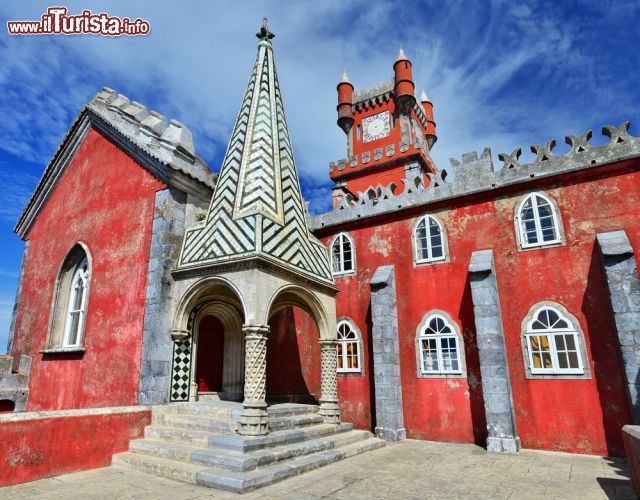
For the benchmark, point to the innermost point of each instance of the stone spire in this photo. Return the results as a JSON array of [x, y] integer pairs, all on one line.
[[257, 209]]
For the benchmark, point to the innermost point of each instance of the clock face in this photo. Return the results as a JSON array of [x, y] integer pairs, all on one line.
[[376, 126]]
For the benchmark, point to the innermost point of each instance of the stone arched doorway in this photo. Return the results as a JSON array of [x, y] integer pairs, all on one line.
[[208, 350]]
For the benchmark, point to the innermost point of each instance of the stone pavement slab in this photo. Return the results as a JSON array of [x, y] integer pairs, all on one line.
[[406, 470]]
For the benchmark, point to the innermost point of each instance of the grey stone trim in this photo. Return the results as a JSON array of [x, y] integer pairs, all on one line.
[[478, 175], [461, 352], [386, 355], [496, 382], [14, 386], [83, 412], [166, 239], [624, 293], [164, 149], [445, 243], [16, 305], [581, 345]]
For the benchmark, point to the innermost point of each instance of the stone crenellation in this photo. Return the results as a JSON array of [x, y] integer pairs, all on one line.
[[374, 91], [165, 139], [477, 174]]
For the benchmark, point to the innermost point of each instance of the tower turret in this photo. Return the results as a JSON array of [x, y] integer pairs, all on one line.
[[404, 86], [345, 101], [430, 130]]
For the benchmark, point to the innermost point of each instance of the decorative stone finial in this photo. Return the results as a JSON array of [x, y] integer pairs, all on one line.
[[424, 97], [264, 33], [401, 55]]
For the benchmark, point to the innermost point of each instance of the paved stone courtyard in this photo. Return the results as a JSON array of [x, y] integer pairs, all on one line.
[[411, 469]]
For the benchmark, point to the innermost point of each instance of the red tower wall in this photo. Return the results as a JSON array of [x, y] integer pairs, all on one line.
[[567, 415], [106, 200]]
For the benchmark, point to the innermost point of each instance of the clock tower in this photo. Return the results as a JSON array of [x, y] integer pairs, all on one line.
[[389, 135]]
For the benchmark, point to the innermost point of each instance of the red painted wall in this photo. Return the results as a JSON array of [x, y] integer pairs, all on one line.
[[43, 447], [105, 200], [293, 354], [568, 415]]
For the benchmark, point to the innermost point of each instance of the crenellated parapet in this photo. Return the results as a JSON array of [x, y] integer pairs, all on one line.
[[476, 173]]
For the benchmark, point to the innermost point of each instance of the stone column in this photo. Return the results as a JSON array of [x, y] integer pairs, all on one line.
[[624, 293], [386, 356], [253, 419], [496, 382], [329, 408]]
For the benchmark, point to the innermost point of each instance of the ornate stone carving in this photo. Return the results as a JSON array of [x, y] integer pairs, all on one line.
[[391, 150], [253, 419], [329, 384], [366, 157], [377, 153]]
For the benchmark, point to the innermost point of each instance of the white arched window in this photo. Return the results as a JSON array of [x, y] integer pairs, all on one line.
[[438, 345], [342, 255], [429, 240], [348, 346], [76, 306], [554, 345], [538, 221]]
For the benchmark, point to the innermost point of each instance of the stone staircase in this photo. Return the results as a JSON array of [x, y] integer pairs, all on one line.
[[197, 443]]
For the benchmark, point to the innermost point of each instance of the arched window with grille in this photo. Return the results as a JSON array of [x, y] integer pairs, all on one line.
[[439, 346], [554, 345], [538, 221], [70, 302], [342, 255], [348, 346], [429, 240]]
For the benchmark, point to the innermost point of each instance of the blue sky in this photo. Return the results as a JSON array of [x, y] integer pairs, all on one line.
[[500, 74]]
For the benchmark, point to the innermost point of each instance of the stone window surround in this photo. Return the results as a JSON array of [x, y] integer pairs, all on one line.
[[461, 354], [581, 345], [343, 274], [354, 327], [557, 218], [59, 304], [417, 262]]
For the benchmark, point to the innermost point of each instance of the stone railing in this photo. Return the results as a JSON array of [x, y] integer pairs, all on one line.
[[477, 173]]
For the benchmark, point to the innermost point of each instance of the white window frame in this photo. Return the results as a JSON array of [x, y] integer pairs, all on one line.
[[81, 274], [343, 342], [522, 233], [453, 335], [416, 243], [551, 334], [340, 239]]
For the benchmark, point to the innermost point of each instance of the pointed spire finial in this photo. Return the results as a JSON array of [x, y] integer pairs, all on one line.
[[401, 55], [264, 32], [345, 77], [424, 97]]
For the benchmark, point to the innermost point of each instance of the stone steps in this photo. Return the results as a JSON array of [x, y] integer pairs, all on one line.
[[197, 443]]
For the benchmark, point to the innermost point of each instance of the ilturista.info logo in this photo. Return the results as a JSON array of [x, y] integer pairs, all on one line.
[[57, 21]]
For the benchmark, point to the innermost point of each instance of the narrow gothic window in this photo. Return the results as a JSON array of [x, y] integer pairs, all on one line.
[[438, 344], [70, 301], [553, 344], [538, 224], [76, 310], [348, 346], [358, 132], [342, 255], [429, 240]]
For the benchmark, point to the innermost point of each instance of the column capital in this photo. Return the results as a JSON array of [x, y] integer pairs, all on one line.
[[327, 343], [255, 330]]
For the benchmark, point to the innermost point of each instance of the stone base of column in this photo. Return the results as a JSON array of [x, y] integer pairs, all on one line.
[[330, 411], [503, 445], [253, 419], [390, 434]]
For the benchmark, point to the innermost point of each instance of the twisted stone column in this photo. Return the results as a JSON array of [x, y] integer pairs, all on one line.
[[253, 419], [329, 384]]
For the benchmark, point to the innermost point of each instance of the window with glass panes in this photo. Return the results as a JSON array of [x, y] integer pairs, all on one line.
[[342, 255], [553, 344], [538, 224], [348, 346], [439, 350], [429, 240], [76, 308]]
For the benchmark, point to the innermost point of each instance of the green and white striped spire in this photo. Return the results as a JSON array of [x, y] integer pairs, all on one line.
[[257, 207]]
